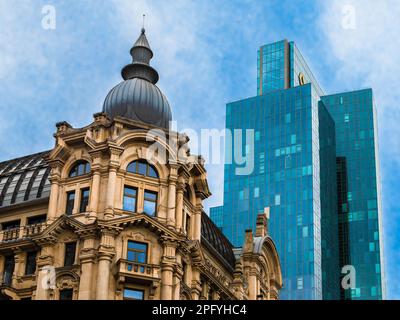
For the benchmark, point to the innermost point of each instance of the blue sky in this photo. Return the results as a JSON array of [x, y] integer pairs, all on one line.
[[205, 52]]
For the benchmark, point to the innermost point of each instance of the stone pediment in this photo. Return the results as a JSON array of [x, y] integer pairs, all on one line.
[[143, 220], [63, 223]]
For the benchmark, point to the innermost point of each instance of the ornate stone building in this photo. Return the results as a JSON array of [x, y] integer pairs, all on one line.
[[114, 211]]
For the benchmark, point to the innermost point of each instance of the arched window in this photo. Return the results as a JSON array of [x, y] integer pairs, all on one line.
[[79, 169], [142, 167]]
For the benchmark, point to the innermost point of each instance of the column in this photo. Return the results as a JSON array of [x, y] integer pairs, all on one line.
[[252, 281], [87, 260], [95, 193], [178, 278], [179, 205], [168, 263], [96, 180], [103, 276], [112, 178], [196, 283], [54, 193], [105, 255], [115, 151], [171, 202], [197, 220]]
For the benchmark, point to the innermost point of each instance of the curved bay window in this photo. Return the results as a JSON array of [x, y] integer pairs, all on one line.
[[143, 168], [79, 169]]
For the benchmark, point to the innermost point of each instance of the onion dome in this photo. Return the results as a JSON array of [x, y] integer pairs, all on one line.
[[137, 97]]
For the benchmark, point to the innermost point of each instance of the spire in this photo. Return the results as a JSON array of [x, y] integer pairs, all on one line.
[[140, 67]]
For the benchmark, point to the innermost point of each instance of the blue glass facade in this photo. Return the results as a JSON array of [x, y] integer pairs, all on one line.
[[316, 167], [286, 178], [359, 191], [279, 66], [217, 216]]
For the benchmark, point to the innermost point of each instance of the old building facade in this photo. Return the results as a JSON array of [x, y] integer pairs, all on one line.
[[115, 211]]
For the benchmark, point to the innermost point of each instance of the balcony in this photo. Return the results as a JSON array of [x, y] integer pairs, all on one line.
[[132, 269], [22, 232]]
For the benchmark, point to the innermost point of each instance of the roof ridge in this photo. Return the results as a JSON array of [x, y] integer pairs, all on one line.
[[26, 156]]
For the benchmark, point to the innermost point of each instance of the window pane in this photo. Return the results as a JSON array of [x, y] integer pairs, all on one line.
[[149, 207], [152, 172], [130, 191], [129, 204], [133, 294], [9, 265], [131, 256], [37, 219], [70, 202], [150, 195], [84, 200], [137, 252], [150, 203], [141, 257], [66, 294], [70, 249], [137, 245], [132, 167], [79, 169], [142, 168], [10, 225], [30, 263]]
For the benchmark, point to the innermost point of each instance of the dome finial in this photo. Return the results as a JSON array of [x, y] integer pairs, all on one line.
[[141, 55], [143, 29]]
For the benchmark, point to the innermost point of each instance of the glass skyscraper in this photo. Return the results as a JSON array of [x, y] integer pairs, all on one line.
[[360, 209], [301, 166]]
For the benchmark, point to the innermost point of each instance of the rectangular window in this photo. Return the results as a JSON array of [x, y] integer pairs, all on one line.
[[256, 192], [66, 294], [371, 246], [130, 294], [37, 219], [9, 265], [70, 203], [84, 200], [300, 283], [30, 267], [278, 200], [150, 203], [130, 196], [70, 251], [137, 252], [10, 225], [188, 224], [305, 232]]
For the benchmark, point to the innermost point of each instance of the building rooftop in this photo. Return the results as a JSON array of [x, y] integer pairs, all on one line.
[[24, 179]]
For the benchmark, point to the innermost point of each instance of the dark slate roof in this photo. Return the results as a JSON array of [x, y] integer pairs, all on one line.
[[24, 179], [217, 240]]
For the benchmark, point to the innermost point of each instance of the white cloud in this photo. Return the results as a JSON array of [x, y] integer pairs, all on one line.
[[367, 56]]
